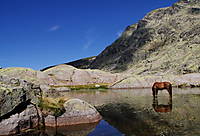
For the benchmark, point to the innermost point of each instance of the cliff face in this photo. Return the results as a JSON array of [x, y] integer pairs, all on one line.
[[165, 40]]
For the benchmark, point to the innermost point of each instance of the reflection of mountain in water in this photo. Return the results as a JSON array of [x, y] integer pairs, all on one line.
[[105, 129], [130, 112], [127, 119]]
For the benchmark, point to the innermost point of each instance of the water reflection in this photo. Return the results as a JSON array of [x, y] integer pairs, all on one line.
[[128, 120], [135, 113], [105, 129], [162, 107], [74, 130]]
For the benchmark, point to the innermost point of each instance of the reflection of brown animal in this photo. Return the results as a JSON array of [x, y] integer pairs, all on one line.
[[160, 86], [161, 107]]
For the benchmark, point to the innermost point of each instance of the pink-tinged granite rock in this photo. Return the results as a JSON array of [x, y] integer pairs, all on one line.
[[77, 112], [68, 75], [16, 123]]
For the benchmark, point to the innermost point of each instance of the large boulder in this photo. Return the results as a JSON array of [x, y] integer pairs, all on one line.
[[18, 122], [13, 91], [62, 75], [65, 113], [76, 112]]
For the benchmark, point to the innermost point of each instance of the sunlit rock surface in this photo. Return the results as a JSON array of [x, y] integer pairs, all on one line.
[[138, 81], [166, 40], [77, 112], [14, 91], [68, 75]]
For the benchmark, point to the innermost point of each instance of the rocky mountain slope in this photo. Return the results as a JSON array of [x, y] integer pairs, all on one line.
[[166, 40]]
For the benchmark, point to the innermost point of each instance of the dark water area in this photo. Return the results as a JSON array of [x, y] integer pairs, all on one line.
[[134, 112]]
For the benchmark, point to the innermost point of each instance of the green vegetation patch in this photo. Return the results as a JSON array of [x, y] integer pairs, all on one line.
[[88, 86], [52, 106], [183, 85]]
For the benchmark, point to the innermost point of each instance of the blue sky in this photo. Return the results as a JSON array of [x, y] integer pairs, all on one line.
[[40, 33]]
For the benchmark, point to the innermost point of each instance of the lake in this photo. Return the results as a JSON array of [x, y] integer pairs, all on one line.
[[134, 112]]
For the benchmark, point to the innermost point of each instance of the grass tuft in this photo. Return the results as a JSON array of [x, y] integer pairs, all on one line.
[[52, 106]]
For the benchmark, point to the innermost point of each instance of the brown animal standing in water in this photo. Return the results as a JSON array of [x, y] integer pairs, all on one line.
[[160, 86]]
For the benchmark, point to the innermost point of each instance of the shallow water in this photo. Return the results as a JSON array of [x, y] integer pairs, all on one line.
[[134, 112]]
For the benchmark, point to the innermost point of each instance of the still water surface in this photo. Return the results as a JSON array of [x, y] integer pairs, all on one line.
[[134, 112]]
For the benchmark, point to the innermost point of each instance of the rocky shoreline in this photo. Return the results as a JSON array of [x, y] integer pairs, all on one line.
[[55, 111], [24, 105], [77, 112]]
